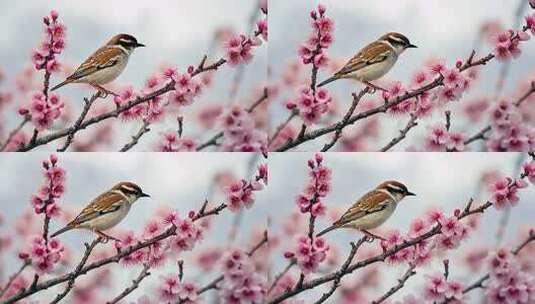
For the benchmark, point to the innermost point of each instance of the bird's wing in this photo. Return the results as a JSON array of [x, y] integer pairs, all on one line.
[[104, 57], [371, 202], [374, 52], [104, 203]]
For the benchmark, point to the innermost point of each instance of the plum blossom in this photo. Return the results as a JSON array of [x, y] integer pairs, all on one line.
[[45, 200], [43, 110], [240, 133], [126, 95], [44, 58], [186, 89], [504, 191], [240, 194], [317, 187], [188, 233], [313, 50], [440, 139], [43, 254], [508, 283], [172, 142], [508, 132], [239, 48], [309, 253], [437, 289], [529, 171], [241, 283], [172, 289], [506, 44], [311, 104], [262, 29]]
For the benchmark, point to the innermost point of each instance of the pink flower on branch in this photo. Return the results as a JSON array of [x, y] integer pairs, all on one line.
[[240, 133], [172, 142], [240, 194], [45, 200], [309, 253], [173, 290], [505, 191], [43, 254]]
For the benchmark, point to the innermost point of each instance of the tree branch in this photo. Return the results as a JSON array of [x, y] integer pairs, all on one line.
[[135, 139], [401, 282], [135, 284], [402, 133]]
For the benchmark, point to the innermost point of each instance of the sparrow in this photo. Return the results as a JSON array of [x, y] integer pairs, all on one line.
[[372, 209], [107, 210], [104, 65], [374, 60]]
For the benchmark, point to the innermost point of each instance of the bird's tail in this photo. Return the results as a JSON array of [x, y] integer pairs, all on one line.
[[326, 230], [64, 229], [326, 81], [60, 85]]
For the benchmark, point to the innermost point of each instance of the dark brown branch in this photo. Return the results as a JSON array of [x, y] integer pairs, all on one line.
[[336, 282], [402, 134], [115, 113], [135, 284], [85, 110], [73, 275], [374, 259], [380, 109], [401, 282], [113, 259], [347, 116]]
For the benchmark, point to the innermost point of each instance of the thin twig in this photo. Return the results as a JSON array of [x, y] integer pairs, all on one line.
[[401, 282], [347, 116], [402, 134], [27, 118], [135, 284], [85, 110], [135, 139], [12, 278]]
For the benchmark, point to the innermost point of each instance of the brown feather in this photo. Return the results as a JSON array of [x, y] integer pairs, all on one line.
[[94, 209], [369, 203], [100, 59], [374, 52]]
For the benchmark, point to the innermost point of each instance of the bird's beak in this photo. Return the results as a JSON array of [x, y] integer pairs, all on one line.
[[144, 195], [140, 45], [410, 194], [411, 46]]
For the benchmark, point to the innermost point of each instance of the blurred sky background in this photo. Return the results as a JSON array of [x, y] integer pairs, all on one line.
[[440, 29], [175, 32], [179, 181], [446, 181]]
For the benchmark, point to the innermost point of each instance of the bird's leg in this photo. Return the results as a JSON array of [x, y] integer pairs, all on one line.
[[366, 232], [105, 236], [374, 87], [103, 90]]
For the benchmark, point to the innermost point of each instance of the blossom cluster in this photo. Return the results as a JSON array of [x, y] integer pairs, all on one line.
[[318, 186], [438, 289], [240, 133], [241, 283], [507, 42], [451, 234], [45, 200], [43, 254], [187, 234], [240, 193], [504, 191], [44, 110], [440, 139], [311, 104], [309, 253], [172, 142], [508, 283], [174, 290], [509, 132], [313, 50], [239, 48], [44, 58]]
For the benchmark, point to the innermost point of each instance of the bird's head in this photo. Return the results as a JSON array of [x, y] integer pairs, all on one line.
[[398, 41], [130, 190], [396, 189], [128, 42]]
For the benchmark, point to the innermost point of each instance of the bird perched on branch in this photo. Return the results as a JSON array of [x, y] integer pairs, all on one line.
[[107, 210], [374, 60], [104, 65], [372, 209]]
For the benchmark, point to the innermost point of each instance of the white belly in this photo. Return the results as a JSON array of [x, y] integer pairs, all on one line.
[[109, 220], [373, 220], [374, 71], [107, 75]]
